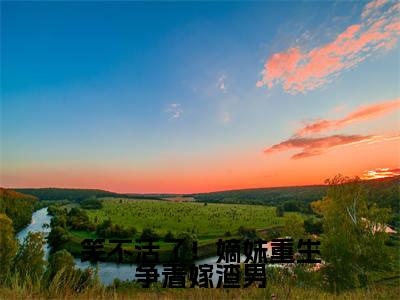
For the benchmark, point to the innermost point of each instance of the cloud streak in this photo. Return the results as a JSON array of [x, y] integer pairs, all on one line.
[[361, 114], [380, 173], [301, 71], [312, 146]]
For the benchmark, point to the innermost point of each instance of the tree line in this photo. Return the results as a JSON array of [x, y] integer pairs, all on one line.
[[17, 206]]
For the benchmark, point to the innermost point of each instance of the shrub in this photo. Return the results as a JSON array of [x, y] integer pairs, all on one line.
[[247, 233], [169, 236], [108, 229], [91, 203], [149, 233], [57, 236]]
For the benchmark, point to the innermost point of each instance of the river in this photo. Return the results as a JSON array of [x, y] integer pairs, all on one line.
[[108, 271]]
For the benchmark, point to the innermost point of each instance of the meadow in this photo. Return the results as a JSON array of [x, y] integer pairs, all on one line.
[[205, 220]]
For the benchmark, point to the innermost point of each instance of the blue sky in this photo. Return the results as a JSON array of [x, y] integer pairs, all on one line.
[[133, 87]]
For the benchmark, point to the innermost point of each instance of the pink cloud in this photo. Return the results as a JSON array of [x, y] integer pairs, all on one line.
[[299, 71], [372, 6], [311, 146], [360, 114]]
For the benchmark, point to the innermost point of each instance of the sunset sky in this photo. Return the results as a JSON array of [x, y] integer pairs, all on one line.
[[184, 97]]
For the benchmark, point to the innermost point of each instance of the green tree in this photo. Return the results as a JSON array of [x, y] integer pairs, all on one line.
[[60, 261], [294, 227], [8, 246], [29, 262], [247, 232], [313, 225], [18, 207], [149, 233], [169, 236], [79, 220], [353, 243], [63, 277], [59, 220], [57, 236], [185, 251], [280, 211], [91, 203]]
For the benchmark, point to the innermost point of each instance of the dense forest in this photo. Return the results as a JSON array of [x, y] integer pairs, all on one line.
[[17, 206], [67, 194], [296, 198], [76, 195], [384, 192], [277, 195], [265, 196]]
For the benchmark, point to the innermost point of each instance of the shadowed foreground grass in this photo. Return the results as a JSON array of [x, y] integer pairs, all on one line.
[[271, 292], [66, 284]]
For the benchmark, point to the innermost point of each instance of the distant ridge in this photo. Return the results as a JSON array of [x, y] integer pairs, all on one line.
[[377, 181], [379, 188], [77, 194], [74, 194]]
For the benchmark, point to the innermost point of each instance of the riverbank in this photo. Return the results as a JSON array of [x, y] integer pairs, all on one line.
[[107, 271]]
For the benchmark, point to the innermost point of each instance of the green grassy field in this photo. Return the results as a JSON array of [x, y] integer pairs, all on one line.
[[206, 221]]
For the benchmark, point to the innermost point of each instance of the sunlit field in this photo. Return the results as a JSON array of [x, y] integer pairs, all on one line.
[[206, 221]]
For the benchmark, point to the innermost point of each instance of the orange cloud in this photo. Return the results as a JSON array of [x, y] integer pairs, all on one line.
[[380, 173], [312, 146], [360, 114], [299, 71]]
